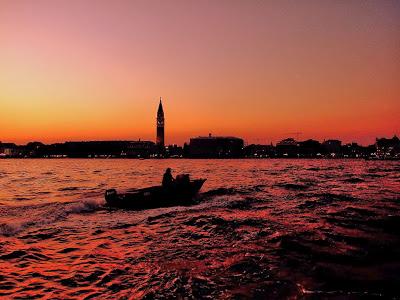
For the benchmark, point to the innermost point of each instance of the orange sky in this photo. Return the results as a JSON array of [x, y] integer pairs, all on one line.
[[261, 70]]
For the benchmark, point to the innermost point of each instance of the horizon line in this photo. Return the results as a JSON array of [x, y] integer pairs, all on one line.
[[200, 136]]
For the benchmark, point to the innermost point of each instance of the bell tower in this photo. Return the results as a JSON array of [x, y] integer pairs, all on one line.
[[160, 126]]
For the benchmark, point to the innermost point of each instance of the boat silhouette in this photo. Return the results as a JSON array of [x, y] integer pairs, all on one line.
[[155, 196]]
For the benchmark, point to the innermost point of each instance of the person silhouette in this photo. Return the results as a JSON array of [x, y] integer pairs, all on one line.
[[168, 179]]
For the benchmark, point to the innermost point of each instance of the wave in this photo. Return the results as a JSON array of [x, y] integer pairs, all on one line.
[[242, 204], [323, 199], [244, 190], [329, 197], [48, 173], [30, 196], [70, 188], [373, 175], [84, 207], [41, 215], [353, 180], [218, 192], [384, 169], [7, 229], [221, 225], [294, 186], [313, 169], [21, 198], [330, 168]]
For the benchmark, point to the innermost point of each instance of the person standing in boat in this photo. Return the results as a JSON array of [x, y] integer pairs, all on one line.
[[168, 179]]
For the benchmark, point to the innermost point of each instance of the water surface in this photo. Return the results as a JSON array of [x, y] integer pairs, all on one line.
[[261, 229]]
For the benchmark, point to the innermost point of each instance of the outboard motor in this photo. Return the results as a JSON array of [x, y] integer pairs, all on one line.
[[111, 195], [182, 179]]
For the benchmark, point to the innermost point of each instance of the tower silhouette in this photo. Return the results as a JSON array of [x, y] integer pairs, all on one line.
[[160, 126]]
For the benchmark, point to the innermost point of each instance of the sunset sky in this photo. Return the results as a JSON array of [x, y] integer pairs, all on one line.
[[260, 70]]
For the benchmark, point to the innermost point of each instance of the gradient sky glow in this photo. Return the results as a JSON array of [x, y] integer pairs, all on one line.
[[94, 70]]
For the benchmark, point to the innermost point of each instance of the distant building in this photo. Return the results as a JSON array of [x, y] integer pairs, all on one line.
[[174, 151], [105, 149], [354, 150], [288, 142], [310, 148], [332, 147], [89, 149], [160, 142], [287, 148], [140, 149], [35, 149], [9, 150], [259, 151], [216, 147], [388, 148]]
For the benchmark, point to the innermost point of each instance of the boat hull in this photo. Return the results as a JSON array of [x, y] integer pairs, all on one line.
[[157, 196]]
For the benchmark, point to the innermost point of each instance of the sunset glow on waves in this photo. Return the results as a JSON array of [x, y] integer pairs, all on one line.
[[287, 228]]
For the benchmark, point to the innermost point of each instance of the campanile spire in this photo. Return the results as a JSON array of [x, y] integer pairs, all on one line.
[[160, 125]]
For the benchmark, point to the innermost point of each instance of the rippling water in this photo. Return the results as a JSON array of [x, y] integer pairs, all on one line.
[[261, 229]]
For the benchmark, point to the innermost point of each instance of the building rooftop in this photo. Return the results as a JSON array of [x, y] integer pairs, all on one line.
[[216, 137]]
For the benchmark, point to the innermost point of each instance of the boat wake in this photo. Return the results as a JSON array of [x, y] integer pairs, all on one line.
[[44, 214]]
